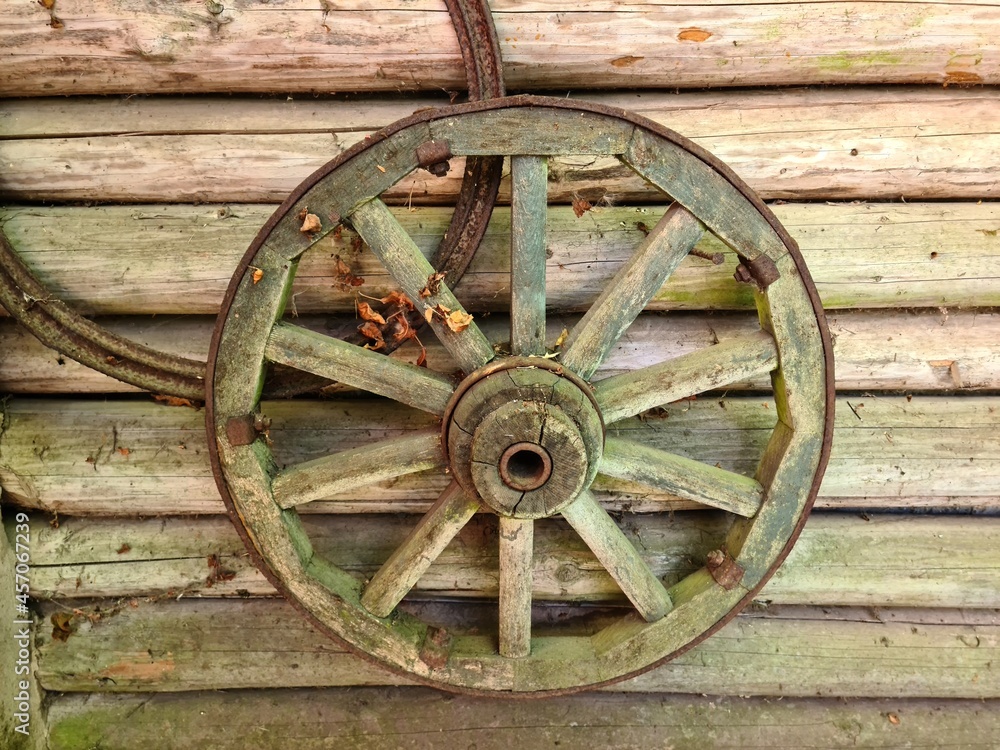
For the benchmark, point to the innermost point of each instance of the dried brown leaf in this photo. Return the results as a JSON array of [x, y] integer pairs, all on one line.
[[371, 331], [126, 547], [367, 313], [310, 224], [562, 338], [429, 314], [345, 280], [581, 206], [257, 275], [458, 320], [176, 401], [433, 285], [62, 626], [398, 299], [422, 359], [401, 329]]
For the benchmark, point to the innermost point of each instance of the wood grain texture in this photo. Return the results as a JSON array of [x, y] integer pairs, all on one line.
[[178, 259], [345, 471], [347, 363], [516, 568], [840, 144], [528, 246], [932, 350], [190, 645], [116, 47], [422, 546], [374, 719], [619, 557], [840, 560], [627, 294], [121, 457]]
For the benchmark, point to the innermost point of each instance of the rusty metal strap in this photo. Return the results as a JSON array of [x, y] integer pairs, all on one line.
[[480, 46], [60, 328]]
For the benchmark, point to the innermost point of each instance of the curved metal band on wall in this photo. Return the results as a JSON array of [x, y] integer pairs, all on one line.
[[57, 326]]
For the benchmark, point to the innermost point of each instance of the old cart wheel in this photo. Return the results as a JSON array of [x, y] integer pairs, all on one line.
[[523, 436]]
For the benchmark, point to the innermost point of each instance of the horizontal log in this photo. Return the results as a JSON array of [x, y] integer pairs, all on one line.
[[380, 719], [875, 350], [841, 144], [226, 645], [840, 560], [141, 458], [126, 47], [115, 260]]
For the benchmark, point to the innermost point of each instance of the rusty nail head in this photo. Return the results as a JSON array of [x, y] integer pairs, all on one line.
[[436, 647], [244, 430], [764, 271], [724, 569], [433, 156], [742, 274], [760, 271]]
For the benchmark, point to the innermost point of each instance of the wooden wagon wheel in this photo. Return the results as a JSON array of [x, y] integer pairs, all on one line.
[[523, 436]]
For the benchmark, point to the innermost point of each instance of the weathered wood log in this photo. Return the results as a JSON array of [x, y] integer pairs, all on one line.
[[845, 144], [838, 561], [875, 350], [379, 719], [212, 645], [248, 46], [143, 458], [178, 259]]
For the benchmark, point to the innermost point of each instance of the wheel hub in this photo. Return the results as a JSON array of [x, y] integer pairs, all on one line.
[[523, 436]]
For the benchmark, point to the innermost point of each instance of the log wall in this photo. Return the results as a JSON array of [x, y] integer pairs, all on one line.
[[142, 147]]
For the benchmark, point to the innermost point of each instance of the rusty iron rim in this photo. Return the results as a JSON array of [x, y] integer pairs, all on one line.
[[60, 328], [683, 143]]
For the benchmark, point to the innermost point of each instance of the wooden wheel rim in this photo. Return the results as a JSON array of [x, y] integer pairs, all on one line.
[[793, 339]]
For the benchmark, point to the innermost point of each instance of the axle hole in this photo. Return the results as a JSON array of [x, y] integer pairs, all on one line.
[[525, 466]]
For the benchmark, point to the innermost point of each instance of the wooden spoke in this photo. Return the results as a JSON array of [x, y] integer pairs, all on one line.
[[414, 274], [616, 553], [412, 558], [630, 290], [528, 177], [516, 547], [693, 480], [335, 359], [728, 362], [357, 467]]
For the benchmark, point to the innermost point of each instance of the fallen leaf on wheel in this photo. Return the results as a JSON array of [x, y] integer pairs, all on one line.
[[257, 275], [581, 206], [433, 285], [366, 313], [458, 321], [371, 331], [400, 328], [310, 224], [176, 401], [345, 280], [397, 298]]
